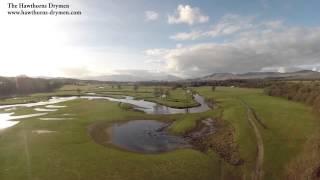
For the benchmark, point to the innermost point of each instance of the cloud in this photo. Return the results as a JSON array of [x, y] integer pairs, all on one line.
[[187, 36], [179, 45], [227, 25], [139, 75], [135, 72], [75, 71], [230, 24], [151, 15], [155, 52], [261, 46], [187, 14]]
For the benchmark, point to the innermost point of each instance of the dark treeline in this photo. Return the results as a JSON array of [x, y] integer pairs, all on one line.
[[251, 83], [246, 83], [305, 92], [26, 85]]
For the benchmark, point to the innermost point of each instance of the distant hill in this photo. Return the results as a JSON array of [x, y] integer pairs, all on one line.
[[135, 78], [304, 74], [158, 77]]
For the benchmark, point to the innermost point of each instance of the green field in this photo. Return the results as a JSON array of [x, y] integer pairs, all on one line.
[[69, 152]]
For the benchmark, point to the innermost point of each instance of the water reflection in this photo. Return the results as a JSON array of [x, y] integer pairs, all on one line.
[[45, 110], [6, 119], [154, 108], [145, 106], [55, 106], [145, 136], [53, 100]]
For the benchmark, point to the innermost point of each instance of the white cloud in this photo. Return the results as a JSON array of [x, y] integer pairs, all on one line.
[[282, 70], [179, 45], [256, 47], [138, 75], [151, 15], [228, 25], [155, 52], [187, 14], [75, 71], [187, 36], [277, 24]]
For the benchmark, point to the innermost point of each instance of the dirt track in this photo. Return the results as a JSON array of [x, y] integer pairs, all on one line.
[[258, 171]]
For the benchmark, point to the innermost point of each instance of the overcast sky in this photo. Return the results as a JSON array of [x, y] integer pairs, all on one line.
[[184, 38]]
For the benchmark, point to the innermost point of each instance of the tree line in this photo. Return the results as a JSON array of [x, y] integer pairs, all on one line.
[[248, 83], [305, 92], [26, 85]]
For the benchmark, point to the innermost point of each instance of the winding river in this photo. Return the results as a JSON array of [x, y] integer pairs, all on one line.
[[154, 108], [145, 136]]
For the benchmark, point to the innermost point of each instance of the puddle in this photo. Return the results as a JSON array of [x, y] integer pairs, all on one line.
[[151, 136], [145, 136], [11, 109], [128, 97], [55, 119], [6, 119], [43, 131], [53, 100], [145, 106], [45, 110]]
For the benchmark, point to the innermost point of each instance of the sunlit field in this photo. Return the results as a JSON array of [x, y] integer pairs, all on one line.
[[64, 148]]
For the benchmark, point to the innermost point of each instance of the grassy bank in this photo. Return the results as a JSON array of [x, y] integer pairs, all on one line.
[[289, 125]]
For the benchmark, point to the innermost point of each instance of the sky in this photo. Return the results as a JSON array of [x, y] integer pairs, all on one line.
[[182, 38]]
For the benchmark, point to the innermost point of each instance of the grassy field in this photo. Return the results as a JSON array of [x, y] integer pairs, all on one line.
[[177, 98], [69, 152], [289, 125]]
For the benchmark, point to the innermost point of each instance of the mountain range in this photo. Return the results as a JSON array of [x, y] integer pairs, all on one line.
[[303, 74]]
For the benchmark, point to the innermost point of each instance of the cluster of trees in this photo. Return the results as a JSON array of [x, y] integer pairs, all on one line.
[[306, 92], [26, 85]]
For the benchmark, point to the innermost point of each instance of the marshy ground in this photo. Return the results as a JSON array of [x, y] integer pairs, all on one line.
[[58, 145]]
